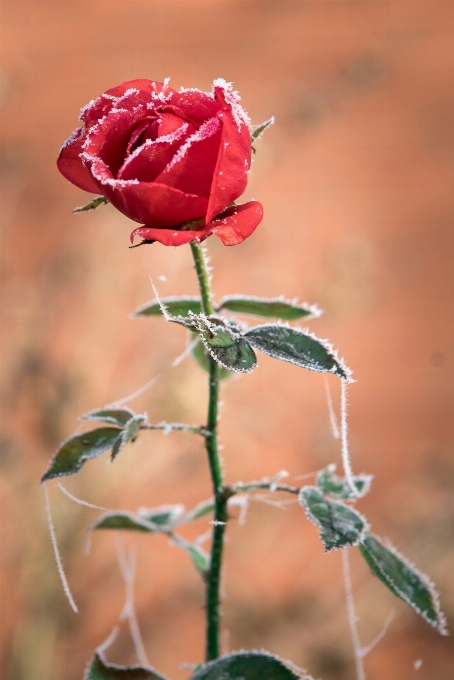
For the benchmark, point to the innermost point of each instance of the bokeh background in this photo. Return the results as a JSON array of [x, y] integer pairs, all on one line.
[[356, 178]]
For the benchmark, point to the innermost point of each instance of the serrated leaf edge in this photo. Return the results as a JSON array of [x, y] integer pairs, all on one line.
[[318, 524], [441, 618], [259, 652], [229, 368], [363, 476], [323, 341]]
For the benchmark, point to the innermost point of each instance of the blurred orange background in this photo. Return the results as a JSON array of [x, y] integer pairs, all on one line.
[[356, 179]]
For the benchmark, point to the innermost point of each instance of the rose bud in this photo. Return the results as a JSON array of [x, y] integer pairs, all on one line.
[[173, 161]]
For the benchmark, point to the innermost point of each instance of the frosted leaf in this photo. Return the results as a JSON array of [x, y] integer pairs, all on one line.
[[224, 345], [339, 488], [249, 666], [280, 308], [157, 520], [128, 434], [340, 526], [297, 347], [73, 453], [404, 580]]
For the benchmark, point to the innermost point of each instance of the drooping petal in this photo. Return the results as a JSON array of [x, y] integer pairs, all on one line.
[[170, 237], [70, 165], [235, 224], [191, 168]]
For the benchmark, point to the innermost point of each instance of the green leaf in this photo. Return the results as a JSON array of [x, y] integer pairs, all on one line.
[[247, 666], [276, 308], [113, 416], [95, 203], [166, 516], [199, 558], [122, 520], [201, 510], [339, 525], [225, 345], [290, 344], [147, 521], [99, 669], [260, 129], [199, 353], [73, 453], [175, 307], [404, 580], [128, 434], [339, 488]]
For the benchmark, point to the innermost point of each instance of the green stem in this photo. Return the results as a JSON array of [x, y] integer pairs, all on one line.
[[203, 277], [219, 491]]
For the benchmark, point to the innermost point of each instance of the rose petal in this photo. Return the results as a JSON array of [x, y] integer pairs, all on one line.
[[196, 105], [100, 106], [232, 227], [71, 166], [150, 159], [153, 204], [191, 169], [170, 237], [235, 224], [233, 164], [108, 139]]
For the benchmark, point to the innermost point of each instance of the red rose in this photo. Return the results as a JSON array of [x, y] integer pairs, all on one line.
[[173, 161]]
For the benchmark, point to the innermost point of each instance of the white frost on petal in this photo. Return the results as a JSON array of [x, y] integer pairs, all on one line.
[[124, 97], [164, 139], [74, 136], [208, 129], [233, 98], [195, 89], [98, 165]]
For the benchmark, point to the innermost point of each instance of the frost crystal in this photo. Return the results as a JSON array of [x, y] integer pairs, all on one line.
[[233, 98], [208, 129]]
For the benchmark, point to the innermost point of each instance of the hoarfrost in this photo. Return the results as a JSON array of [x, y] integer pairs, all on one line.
[[233, 98], [206, 130]]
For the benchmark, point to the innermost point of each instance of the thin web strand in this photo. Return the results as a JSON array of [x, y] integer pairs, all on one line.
[[127, 568], [344, 440], [332, 415], [368, 648], [351, 615], [53, 538], [79, 501]]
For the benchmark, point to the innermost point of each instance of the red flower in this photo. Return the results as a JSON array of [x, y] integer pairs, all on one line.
[[173, 161]]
